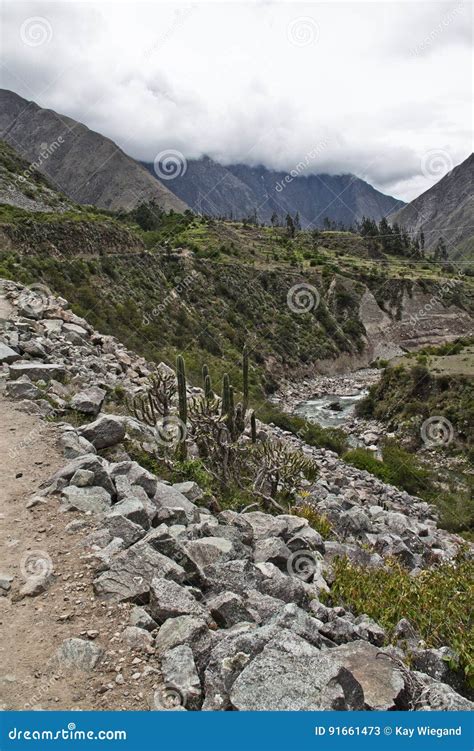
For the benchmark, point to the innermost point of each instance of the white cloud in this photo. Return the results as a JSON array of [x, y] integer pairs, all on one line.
[[371, 87]]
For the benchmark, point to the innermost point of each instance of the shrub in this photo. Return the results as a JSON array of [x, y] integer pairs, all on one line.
[[317, 521], [437, 602]]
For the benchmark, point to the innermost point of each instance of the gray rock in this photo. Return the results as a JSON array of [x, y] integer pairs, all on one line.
[[5, 583], [136, 475], [173, 507], [382, 682], [191, 490], [205, 552], [179, 673], [94, 499], [36, 371], [89, 401], [272, 550], [370, 631], [142, 619], [134, 510], [22, 390], [132, 571], [235, 576], [228, 608], [73, 446], [240, 522], [295, 619], [290, 674], [79, 654], [7, 354], [264, 525], [186, 629], [104, 432], [306, 539], [119, 526], [170, 600], [137, 639], [439, 697], [88, 462], [82, 478], [263, 607], [277, 584], [436, 663]]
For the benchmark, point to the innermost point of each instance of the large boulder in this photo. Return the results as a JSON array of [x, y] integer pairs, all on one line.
[[228, 608], [173, 507], [186, 629], [89, 499], [382, 681], [7, 354], [88, 401], [36, 371], [104, 432], [291, 674], [180, 675], [170, 600]]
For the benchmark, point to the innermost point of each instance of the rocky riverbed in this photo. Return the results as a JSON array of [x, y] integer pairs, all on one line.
[[219, 610]]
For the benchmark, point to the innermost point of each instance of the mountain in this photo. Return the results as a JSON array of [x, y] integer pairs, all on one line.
[[238, 190], [445, 210], [84, 165]]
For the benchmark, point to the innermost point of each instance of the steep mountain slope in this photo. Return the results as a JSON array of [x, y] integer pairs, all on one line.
[[238, 190], [81, 163], [445, 210]]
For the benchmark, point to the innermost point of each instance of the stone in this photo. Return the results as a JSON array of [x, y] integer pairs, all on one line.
[[263, 607], [104, 432], [22, 390], [436, 663], [206, 552], [134, 510], [173, 507], [277, 584], [272, 550], [306, 539], [228, 608], [82, 478], [240, 522], [264, 525], [79, 654], [186, 629], [179, 674], [36, 585], [290, 674], [190, 489], [382, 682], [142, 619], [235, 576], [436, 696], [132, 571], [370, 631], [89, 401], [295, 619], [91, 499], [5, 583], [73, 446], [88, 462], [125, 529], [136, 475], [169, 600], [36, 371], [137, 639], [7, 354]]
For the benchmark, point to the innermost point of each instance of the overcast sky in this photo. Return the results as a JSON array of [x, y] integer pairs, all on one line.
[[382, 90]]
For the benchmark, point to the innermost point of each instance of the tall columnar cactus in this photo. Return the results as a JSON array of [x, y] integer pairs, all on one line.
[[208, 392], [182, 399], [245, 378], [205, 373], [253, 427], [226, 403]]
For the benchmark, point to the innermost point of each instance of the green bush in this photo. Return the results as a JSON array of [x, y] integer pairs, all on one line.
[[437, 602], [398, 467]]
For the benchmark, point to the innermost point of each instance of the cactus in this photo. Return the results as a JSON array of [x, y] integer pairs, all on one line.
[[253, 427], [182, 399], [205, 373], [208, 392], [225, 407], [245, 379]]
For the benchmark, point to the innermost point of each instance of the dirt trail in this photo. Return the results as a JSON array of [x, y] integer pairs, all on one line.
[[32, 628]]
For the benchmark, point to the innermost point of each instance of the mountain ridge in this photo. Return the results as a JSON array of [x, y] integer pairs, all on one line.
[[91, 170]]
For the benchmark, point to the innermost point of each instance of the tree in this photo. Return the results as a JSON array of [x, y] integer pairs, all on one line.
[[274, 219], [290, 225], [297, 222]]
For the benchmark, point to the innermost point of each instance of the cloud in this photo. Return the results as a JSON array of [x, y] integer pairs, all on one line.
[[367, 88]]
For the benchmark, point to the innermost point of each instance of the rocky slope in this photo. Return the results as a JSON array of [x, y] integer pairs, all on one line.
[[82, 164], [225, 608], [237, 190], [445, 211]]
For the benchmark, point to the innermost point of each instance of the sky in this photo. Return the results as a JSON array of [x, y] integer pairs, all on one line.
[[379, 89]]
